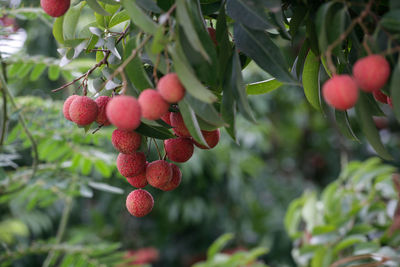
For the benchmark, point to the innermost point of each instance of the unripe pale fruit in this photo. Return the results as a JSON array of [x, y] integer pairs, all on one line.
[[379, 96], [139, 203], [124, 112], [340, 92], [170, 88], [213, 35], [175, 180], [211, 137], [55, 8], [138, 181], [371, 73], [130, 165], [102, 102], [153, 106], [167, 118], [158, 173], [66, 106], [83, 110], [126, 142], [179, 149], [179, 125]]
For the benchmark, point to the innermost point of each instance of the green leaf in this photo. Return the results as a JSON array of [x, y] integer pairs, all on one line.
[[257, 45], [118, 18], [218, 245], [342, 121], [391, 21], [58, 29], [24, 70], [106, 187], [228, 107], [263, 87], [310, 80], [37, 71], [301, 57], [102, 168], [322, 257], [224, 45], [323, 22], [97, 7], [299, 14], [205, 111], [349, 241], [139, 17], [71, 19], [395, 91], [54, 72], [154, 131], [189, 117], [149, 5], [364, 115]]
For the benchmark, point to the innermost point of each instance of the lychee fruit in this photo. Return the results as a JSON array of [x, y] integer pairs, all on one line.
[[130, 165], [379, 96], [167, 118], [213, 35], [175, 180], [211, 137], [66, 106], [170, 88], [178, 125], [83, 110], [340, 92], [138, 181], [102, 102], [158, 173], [124, 112], [139, 202], [55, 8], [126, 142], [371, 73], [179, 149], [153, 106]]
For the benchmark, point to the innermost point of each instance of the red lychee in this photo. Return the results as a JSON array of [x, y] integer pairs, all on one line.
[[371, 73], [179, 125], [126, 142], [55, 8], [213, 35], [175, 180], [340, 92], [158, 173], [153, 106], [138, 181], [170, 88], [66, 106], [124, 112], [379, 96], [102, 102], [83, 110], [179, 149], [211, 137], [139, 203], [130, 165], [167, 118]]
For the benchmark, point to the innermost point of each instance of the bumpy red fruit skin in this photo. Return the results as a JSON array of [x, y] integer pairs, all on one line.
[[379, 96], [158, 173], [138, 181], [170, 88], [211, 137], [55, 8], [126, 142], [66, 106], [371, 73], [167, 117], [179, 149], [340, 92], [130, 165], [102, 102], [153, 106], [178, 124], [124, 112], [83, 110], [213, 34], [139, 203], [175, 180]]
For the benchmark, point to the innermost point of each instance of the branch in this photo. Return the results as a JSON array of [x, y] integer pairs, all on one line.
[[4, 96]]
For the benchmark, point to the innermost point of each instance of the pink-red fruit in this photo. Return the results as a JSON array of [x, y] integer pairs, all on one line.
[[130, 165], [83, 110], [379, 96], [158, 173], [124, 112], [211, 137], [126, 142], [340, 92], [55, 8], [371, 73], [138, 181], [175, 180], [102, 102], [179, 149], [66, 106], [179, 125], [139, 203], [167, 118], [170, 88], [153, 106]]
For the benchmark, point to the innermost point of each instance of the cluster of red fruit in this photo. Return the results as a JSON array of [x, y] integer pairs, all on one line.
[[125, 112], [370, 74]]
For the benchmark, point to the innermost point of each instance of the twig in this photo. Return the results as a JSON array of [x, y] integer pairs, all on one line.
[[4, 96], [359, 257]]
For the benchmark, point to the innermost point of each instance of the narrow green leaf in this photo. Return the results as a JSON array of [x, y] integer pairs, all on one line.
[[310, 80], [342, 121], [301, 57], [149, 5], [395, 91], [138, 17], [71, 19], [118, 18], [97, 7], [205, 111], [218, 245], [322, 257], [58, 29], [349, 241], [263, 87], [54, 72], [154, 132], [189, 117], [26, 68], [299, 15], [224, 45], [323, 22], [252, 15]]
